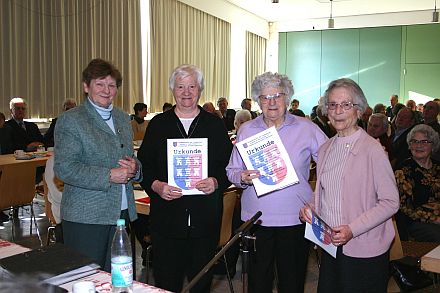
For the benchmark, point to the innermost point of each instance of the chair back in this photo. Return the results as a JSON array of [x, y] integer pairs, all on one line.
[[396, 250], [17, 185], [229, 200]]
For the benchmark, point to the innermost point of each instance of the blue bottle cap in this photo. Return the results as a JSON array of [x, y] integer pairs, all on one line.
[[120, 222]]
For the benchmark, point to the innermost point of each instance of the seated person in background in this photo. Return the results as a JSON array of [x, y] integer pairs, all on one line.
[[298, 112], [412, 105], [241, 117], [404, 121], [138, 122], [246, 104], [394, 99], [420, 107], [209, 107], [5, 136], [379, 108], [228, 115], [363, 121], [48, 136], [52, 196], [5, 148], [396, 110], [166, 107], [25, 135], [418, 180], [323, 123], [294, 106], [313, 113], [377, 127], [430, 113]]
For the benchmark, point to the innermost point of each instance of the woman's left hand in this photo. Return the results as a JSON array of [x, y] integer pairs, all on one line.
[[341, 235], [130, 164], [207, 185]]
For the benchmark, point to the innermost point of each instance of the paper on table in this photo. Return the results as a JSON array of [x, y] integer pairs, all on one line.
[[187, 163], [266, 153], [320, 233]]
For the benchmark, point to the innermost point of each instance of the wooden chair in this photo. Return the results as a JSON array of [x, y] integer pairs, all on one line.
[[229, 200], [17, 189]]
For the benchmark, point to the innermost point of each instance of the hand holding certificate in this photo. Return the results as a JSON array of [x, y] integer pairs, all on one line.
[[268, 163], [320, 233]]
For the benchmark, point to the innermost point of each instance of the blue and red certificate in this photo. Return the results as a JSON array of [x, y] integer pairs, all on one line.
[[187, 163], [266, 153], [320, 233]]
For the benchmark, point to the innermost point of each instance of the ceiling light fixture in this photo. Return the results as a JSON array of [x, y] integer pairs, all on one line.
[[435, 13], [331, 21]]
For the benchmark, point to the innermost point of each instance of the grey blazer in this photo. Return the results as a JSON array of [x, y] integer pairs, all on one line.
[[86, 149]]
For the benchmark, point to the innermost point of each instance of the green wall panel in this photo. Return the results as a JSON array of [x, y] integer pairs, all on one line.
[[282, 52], [423, 43], [340, 55], [376, 58], [379, 66], [423, 79], [303, 59]]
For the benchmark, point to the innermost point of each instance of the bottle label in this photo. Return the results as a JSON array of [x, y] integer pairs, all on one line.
[[122, 271]]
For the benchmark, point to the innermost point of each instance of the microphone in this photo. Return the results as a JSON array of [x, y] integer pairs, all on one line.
[[255, 217]]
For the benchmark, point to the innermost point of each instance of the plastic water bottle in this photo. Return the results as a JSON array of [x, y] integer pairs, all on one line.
[[122, 262]]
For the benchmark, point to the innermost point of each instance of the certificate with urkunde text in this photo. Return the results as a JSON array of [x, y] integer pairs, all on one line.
[[266, 153], [187, 163]]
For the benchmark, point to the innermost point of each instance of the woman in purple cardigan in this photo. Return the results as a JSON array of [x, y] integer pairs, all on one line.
[[355, 194]]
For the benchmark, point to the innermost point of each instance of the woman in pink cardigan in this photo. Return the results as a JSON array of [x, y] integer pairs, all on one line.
[[356, 195]]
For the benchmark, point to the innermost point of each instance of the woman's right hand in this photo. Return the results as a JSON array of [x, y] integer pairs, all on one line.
[[305, 214], [165, 191], [246, 176]]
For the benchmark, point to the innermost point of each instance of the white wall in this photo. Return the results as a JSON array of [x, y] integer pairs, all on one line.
[[241, 21]]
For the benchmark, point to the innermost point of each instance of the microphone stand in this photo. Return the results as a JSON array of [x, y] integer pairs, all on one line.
[[243, 230]]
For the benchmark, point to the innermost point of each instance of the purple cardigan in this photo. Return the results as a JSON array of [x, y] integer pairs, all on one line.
[[369, 196], [302, 139]]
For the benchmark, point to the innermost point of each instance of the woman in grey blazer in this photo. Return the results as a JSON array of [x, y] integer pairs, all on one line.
[[94, 158]]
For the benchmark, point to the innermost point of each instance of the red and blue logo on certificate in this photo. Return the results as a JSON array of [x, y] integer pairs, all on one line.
[[269, 162], [321, 230], [188, 170]]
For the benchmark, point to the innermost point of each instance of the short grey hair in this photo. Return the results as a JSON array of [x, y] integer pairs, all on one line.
[[271, 80], [184, 71], [381, 116], [241, 117], [354, 89], [16, 100], [427, 130]]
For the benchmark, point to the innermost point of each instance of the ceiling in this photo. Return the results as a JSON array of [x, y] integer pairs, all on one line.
[[305, 9]]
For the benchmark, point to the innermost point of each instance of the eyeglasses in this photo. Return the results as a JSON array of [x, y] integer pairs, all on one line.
[[344, 105], [422, 142], [20, 108], [264, 99]]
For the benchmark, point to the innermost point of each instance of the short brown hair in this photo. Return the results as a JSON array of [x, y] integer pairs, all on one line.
[[98, 68]]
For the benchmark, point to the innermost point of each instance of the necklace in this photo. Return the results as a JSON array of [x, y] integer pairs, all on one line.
[[191, 130], [109, 117]]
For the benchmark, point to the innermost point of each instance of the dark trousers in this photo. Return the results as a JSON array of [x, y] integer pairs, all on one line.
[[175, 258], [353, 274], [59, 233], [283, 247], [92, 240]]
